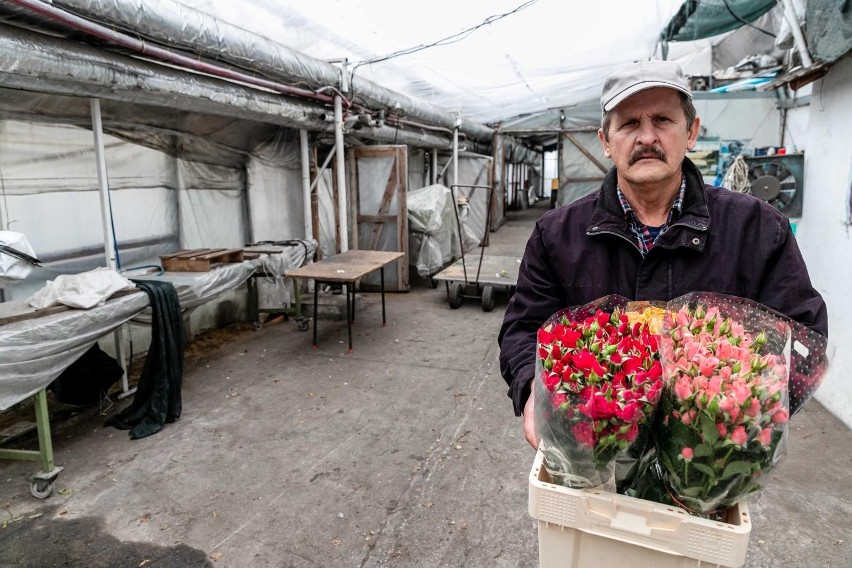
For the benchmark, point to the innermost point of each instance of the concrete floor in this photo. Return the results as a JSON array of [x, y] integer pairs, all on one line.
[[403, 453]]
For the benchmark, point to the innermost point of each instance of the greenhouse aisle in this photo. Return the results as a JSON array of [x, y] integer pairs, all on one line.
[[404, 452]]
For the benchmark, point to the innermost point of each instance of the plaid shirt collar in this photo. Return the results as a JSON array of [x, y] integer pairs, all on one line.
[[644, 239]]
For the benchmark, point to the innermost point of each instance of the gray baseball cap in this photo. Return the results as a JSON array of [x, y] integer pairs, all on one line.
[[630, 79]]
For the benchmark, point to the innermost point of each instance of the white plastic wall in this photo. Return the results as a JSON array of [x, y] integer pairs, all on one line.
[[824, 233], [50, 194], [754, 119], [275, 191]]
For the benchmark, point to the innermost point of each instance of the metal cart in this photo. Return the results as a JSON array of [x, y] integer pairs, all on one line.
[[41, 483], [492, 272], [294, 311]]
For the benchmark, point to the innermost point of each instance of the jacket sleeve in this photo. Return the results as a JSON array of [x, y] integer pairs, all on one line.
[[538, 295], [786, 285]]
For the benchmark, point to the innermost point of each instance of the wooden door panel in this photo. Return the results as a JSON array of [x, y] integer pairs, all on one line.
[[379, 179]]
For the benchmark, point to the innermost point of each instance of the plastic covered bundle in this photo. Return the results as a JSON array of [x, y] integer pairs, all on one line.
[[17, 257], [724, 412], [597, 383], [430, 226]]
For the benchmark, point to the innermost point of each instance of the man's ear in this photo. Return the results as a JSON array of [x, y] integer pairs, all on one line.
[[693, 134], [604, 143]]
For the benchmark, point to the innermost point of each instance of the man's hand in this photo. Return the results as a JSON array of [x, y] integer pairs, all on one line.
[[529, 422]]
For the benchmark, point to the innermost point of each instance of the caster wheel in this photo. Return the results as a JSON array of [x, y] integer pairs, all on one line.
[[433, 283], [487, 298], [257, 325], [302, 325], [41, 489], [455, 296]]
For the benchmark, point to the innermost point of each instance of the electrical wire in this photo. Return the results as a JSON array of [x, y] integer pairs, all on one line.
[[744, 22], [114, 238], [449, 39]]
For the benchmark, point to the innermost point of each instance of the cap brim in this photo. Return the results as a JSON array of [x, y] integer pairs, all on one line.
[[617, 99]]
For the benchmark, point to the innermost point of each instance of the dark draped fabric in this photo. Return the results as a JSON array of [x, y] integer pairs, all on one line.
[[158, 394]]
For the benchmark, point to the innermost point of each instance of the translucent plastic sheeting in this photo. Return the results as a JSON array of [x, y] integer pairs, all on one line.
[[196, 288], [374, 176], [36, 351], [577, 168], [212, 206], [50, 186], [515, 65], [327, 214], [431, 224], [275, 189], [473, 170]]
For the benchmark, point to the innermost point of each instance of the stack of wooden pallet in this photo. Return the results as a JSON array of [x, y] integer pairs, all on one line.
[[200, 260]]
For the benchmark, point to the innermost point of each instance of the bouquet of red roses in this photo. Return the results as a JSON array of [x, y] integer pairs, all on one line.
[[724, 411], [598, 380]]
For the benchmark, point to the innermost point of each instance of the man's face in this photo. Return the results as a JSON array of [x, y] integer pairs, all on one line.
[[648, 138]]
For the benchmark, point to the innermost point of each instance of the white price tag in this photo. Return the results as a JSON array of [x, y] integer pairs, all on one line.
[[800, 348]]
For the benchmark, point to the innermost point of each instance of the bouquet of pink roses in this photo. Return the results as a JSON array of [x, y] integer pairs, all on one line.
[[725, 409], [598, 380]]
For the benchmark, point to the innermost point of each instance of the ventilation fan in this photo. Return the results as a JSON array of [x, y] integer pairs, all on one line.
[[778, 180]]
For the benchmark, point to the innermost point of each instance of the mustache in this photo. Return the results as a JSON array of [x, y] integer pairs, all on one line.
[[646, 152]]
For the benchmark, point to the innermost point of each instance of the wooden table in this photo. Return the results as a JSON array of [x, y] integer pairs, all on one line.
[[347, 268]]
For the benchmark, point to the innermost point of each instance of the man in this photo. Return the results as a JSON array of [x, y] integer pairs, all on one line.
[[655, 231]]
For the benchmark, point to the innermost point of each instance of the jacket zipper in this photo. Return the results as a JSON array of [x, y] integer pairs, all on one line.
[[605, 232]]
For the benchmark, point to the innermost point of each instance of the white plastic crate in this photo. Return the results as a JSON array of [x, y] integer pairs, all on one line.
[[596, 529]]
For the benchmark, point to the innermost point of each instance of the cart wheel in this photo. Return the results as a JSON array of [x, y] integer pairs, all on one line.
[[257, 325], [455, 295], [487, 298], [302, 325], [41, 489]]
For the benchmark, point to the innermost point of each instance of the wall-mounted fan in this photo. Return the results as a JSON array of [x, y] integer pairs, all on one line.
[[778, 180]]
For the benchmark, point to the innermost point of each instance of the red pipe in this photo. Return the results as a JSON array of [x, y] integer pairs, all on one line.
[[106, 34], [78, 23]]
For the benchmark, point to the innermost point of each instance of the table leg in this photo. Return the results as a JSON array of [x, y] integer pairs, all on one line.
[[45, 442], [353, 300], [348, 318], [384, 321], [316, 311]]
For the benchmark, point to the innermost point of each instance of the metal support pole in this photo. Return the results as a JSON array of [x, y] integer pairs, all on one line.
[[349, 285], [4, 214], [434, 169], [306, 183], [342, 199], [798, 36], [180, 193], [316, 310], [456, 153], [106, 218]]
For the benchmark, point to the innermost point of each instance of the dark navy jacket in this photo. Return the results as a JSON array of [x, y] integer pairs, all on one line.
[[724, 242]]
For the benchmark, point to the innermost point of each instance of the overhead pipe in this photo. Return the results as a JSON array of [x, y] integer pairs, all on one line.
[[150, 50], [139, 46], [33, 61], [171, 23], [477, 132]]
